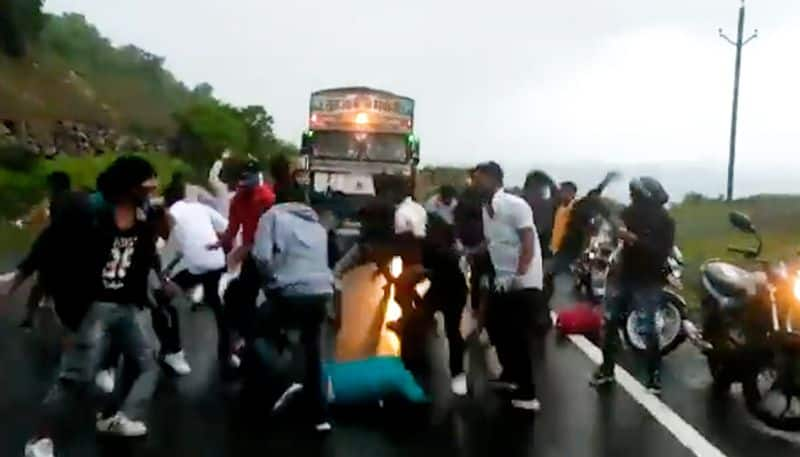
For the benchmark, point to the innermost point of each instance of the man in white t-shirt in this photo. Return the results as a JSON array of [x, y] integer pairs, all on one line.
[[194, 226], [515, 303]]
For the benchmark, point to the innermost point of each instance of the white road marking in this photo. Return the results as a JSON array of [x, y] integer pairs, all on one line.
[[687, 435]]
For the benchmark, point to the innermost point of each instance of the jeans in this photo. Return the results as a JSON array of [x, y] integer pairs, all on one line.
[[169, 334], [510, 323], [104, 325], [620, 299], [307, 314]]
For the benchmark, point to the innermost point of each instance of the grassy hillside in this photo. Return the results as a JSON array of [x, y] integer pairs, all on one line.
[[703, 232], [71, 72]]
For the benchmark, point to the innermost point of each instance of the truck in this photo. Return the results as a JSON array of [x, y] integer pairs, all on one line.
[[354, 135]]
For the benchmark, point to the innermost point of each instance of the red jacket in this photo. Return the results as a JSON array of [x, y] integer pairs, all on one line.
[[246, 209]]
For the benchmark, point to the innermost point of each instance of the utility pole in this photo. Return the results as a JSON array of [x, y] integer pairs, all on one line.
[[739, 43]]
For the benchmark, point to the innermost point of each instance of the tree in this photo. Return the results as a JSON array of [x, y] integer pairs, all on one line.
[[259, 127], [203, 91], [21, 22], [207, 129]]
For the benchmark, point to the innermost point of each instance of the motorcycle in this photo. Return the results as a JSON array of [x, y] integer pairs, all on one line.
[[591, 269], [749, 330], [591, 273]]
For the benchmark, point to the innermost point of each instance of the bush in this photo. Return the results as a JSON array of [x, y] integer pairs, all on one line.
[[17, 158], [694, 197], [19, 190]]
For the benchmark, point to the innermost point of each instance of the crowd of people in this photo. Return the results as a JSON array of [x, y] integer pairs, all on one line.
[[99, 261]]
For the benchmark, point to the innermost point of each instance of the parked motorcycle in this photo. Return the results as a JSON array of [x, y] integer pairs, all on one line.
[[591, 274], [749, 321]]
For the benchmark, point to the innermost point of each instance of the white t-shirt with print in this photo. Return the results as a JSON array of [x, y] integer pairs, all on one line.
[[196, 226], [501, 230]]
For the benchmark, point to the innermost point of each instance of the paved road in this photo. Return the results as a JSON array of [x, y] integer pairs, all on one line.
[[198, 416]]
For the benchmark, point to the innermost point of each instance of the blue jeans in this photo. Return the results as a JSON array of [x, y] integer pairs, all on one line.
[[105, 326], [621, 298]]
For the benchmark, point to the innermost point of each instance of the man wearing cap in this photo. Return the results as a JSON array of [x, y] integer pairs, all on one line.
[[252, 199], [516, 300]]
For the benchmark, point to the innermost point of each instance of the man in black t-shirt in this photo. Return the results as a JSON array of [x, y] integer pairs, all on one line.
[[111, 249], [58, 186], [648, 236]]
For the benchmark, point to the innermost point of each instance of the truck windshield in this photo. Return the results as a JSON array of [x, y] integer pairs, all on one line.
[[379, 147]]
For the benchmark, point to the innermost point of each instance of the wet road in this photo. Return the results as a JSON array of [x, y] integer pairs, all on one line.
[[200, 416]]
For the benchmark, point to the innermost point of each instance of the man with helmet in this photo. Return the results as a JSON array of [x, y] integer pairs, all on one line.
[[648, 236]]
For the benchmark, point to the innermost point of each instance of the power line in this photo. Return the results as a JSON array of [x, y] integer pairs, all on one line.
[[739, 43]]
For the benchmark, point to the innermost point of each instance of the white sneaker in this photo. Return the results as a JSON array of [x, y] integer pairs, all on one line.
[[40, 448], [290, 392], [323, 427], [177, 362], [459, 385], [527, 405], [235, 361], [120, 425], [104, 380]]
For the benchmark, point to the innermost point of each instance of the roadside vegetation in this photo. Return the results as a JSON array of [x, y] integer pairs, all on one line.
[[60, 68], [703, 232]]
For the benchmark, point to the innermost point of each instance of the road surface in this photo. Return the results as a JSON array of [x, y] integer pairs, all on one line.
[[200, 416]]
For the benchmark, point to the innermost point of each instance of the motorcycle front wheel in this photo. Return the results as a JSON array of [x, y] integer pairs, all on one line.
[[669, 325], [772, 398]]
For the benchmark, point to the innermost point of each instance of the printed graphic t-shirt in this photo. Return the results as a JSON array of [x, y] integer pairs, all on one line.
[[129, 257]]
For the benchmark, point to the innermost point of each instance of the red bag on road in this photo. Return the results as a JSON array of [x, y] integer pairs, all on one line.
[[582, 319]]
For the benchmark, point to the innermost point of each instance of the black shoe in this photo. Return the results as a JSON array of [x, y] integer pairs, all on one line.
[[654, 384], [503, 383], [602, 377]]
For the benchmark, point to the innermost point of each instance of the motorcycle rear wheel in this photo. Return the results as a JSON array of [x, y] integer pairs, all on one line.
[[671, 334], [761, 387]]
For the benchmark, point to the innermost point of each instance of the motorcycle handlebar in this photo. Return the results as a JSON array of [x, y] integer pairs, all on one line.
[[747, 252]]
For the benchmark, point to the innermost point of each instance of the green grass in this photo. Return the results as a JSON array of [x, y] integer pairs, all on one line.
[[14, 242], [20, 190], [703, 232]]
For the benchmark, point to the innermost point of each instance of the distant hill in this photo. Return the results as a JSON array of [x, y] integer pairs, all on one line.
[[71, 72]]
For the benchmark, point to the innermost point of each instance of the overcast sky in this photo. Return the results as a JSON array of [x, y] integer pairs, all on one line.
[[572, 86]]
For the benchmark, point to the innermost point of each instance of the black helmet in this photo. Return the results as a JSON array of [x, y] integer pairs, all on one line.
[[649, 189]]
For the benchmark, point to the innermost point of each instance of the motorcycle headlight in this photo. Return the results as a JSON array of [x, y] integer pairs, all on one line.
[[796, 287]]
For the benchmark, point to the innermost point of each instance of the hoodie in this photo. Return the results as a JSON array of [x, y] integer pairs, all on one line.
[[291, 250]]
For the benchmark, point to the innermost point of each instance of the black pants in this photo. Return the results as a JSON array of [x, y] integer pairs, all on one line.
[[450, 300], [166, 323], [480, 268], [240, 299], [186, 281], [512, 325], [307, 314], [34, 300]]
